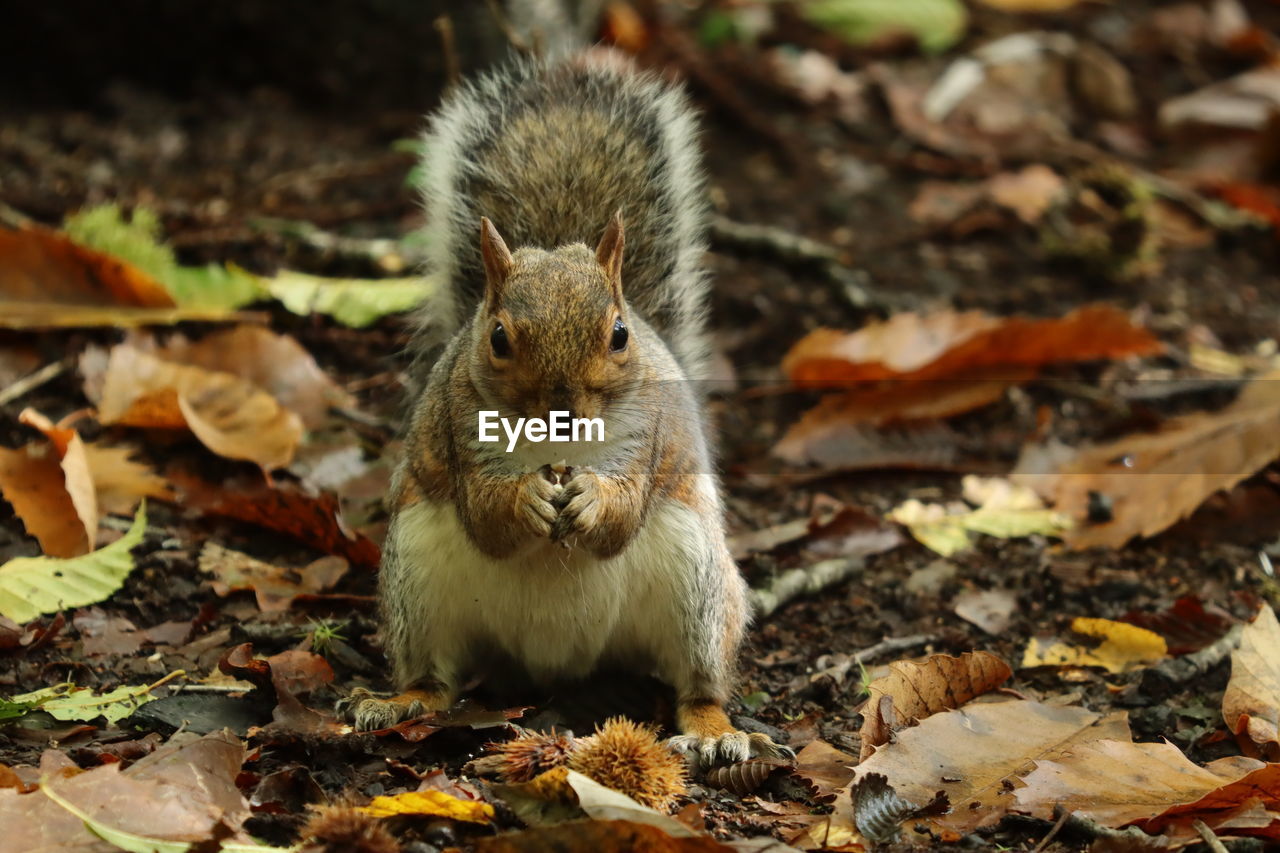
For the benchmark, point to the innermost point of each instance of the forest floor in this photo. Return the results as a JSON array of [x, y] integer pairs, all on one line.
[[907, 205]]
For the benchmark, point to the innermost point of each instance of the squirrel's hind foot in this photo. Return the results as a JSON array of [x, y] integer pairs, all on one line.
[[728, 748], [367, 711]]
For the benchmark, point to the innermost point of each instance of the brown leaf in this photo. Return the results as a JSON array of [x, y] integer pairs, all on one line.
[[120, 481], [1153, 785], [229, 415], [943, 344], [1153, 480], [51, 488], [1186, 625], [313, 520], [972, 754], [825, 767], [275, 363], [1251, 704], [274, 586], [839, 416], [916, 690]]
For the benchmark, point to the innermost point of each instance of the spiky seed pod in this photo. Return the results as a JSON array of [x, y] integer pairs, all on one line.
[[534, 753], [344, 829], [628, 757]]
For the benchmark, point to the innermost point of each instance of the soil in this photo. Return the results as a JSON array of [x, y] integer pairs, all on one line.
[[216, 156]]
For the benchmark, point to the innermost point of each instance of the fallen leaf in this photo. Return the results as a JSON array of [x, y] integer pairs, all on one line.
[[352, 302], [914, 691], [825, 767], [1153, 480], [229, 415], [313, 520], [120, 482], [838, 416], [972, 753], [277, 364], [1123, 647], [1005, 511], [598, 836], [30, 586], [934, 24], [33, 482], [275, 586], [431, 803], [77, 478], [933, 346], [68, 702], [1251, 704], [1186, 625], [1152, 785], [990, 609]]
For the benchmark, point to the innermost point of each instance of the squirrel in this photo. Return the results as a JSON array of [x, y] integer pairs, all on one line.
[[562, 557]]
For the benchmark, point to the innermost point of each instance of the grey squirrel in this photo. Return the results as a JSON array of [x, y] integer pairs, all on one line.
[[559, 558]]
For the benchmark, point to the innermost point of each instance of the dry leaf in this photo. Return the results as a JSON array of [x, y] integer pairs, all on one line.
[[1124, 647], [943, 344], [275, 363], [1154, 480], [991, 610], [1152, 785], [1005, 510], [824, 767], [1251, 705], [1187, 626], [913, 691], [229, 415], [598, 836], [972, 753], [275, 586], [120, 481]]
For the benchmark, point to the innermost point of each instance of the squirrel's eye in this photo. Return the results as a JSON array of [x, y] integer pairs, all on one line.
[[498, 340], [618, 342]]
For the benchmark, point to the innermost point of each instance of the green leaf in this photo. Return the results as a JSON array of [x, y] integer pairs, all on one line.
[[14, 710], [31, 586], [935, 24], [137, 241], [353, 302], [68, 702]]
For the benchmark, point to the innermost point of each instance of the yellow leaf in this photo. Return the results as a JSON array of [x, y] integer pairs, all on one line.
[[1124, 647], [432, 803]]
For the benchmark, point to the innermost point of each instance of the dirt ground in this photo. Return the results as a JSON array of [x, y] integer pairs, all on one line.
[[218, 161]]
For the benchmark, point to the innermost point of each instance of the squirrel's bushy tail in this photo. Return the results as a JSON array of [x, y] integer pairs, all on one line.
[[549, 150]]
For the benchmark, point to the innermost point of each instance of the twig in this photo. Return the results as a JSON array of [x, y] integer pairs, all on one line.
[[379, 250], [893, 645], [796, 582], [790, 248], [1057, 827], [449, 46], [1183, 669], [1090, 830], [13, 217], [32, 381], [1209, 838]]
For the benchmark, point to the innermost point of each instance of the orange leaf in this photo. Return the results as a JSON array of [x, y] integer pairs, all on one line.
[[38, 266], [914, 346]]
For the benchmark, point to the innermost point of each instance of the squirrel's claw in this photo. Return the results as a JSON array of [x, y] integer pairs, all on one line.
[[534, 504], [366, 711], [578, 506], [728, 748]]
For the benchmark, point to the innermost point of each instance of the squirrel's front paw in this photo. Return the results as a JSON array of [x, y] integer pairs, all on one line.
[[728, 748], [579, 505], [534, 507]]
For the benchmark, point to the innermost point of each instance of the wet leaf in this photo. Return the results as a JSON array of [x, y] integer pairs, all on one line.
[[914, 691], [30, 586], [1123, 647], [1251, 705], [933, 346], [1153, 480], [430, 803]]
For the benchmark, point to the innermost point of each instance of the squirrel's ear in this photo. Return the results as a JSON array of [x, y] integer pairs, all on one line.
[[609, 254], [496, 256]]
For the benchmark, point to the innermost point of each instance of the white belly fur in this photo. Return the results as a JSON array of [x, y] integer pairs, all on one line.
[[559, 612]]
